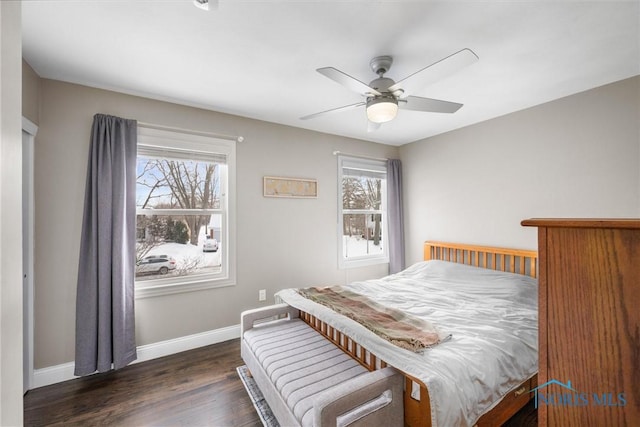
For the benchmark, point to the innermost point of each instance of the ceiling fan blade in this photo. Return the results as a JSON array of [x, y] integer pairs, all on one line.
[[372, 126], [206, 4], [333, 110], [347, 81], [417, 103], [436, 71]]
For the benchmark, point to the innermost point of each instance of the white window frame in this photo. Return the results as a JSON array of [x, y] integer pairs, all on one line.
[[194, 144], [378, 166]]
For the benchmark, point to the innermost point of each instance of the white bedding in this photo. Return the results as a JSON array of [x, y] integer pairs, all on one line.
[[492, 316]]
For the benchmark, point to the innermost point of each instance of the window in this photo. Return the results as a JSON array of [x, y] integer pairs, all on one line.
[[184, 212], [362, 212]]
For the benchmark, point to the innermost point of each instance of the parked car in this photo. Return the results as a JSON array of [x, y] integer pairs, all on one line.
[[210, 245], [155, 264]]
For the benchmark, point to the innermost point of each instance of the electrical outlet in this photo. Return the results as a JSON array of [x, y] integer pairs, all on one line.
[[262, 295]]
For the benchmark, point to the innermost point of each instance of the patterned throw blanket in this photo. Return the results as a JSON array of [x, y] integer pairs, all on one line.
[[401, 329]]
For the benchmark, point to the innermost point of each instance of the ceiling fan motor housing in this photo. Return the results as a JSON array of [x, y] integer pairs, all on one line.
[[381, 64], [381, 108], [381, 84]]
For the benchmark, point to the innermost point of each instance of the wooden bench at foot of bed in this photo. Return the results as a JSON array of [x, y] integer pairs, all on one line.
[[308, 381]]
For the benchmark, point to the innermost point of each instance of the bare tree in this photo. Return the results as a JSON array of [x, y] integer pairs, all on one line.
[[150, 228], [143, 248], [353, 197], [188, 265], [374, 196], [362, 193], [183, 185]]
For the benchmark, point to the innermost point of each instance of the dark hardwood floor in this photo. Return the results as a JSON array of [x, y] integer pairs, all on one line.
[[195, 388]]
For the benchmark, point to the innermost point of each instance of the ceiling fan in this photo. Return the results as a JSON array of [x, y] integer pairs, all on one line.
[[384, 96]]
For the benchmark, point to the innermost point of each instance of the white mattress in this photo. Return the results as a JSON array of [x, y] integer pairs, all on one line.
[[492, 316]]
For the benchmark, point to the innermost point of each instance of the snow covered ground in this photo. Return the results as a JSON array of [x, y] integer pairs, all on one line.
[[356, 246]]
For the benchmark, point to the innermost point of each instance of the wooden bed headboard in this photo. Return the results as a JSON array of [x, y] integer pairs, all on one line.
[[521, 261]]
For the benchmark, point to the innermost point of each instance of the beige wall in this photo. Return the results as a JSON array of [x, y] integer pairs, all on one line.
[[280, 242], [10, 215], [576, 156]]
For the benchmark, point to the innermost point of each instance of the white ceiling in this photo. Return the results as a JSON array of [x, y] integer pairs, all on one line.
[[258, 58]]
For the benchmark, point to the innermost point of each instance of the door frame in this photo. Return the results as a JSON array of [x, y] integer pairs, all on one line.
[[29, 131]]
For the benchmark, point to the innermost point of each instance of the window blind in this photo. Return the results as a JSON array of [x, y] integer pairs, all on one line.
[[363, 168], [155, 152]]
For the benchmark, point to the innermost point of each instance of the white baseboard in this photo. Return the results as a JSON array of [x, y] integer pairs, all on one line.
[[59, 373], [53, 375]]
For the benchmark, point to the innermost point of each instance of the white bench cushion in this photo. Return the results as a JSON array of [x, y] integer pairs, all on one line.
[[300, 363]]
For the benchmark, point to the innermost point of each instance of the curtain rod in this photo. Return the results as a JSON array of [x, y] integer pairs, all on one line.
[[337, 153], [191, 132]]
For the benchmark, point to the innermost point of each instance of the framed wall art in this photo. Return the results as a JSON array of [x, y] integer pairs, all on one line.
[[275, 186]]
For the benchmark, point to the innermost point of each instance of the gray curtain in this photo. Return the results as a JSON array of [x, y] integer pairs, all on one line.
[[105, 327], [396, 219]]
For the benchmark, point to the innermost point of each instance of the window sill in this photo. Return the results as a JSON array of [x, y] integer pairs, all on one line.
[[362, 262], [179, 288]]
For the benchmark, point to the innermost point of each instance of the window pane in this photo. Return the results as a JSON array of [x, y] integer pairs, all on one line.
[[167, 247], [362, 211], [362, 235], [177, 184], [361, 193]]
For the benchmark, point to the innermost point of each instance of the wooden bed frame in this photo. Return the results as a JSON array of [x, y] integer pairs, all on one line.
[[417, 413]]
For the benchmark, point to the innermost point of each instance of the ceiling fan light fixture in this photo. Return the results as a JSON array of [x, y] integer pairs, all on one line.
[[382, 109]]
